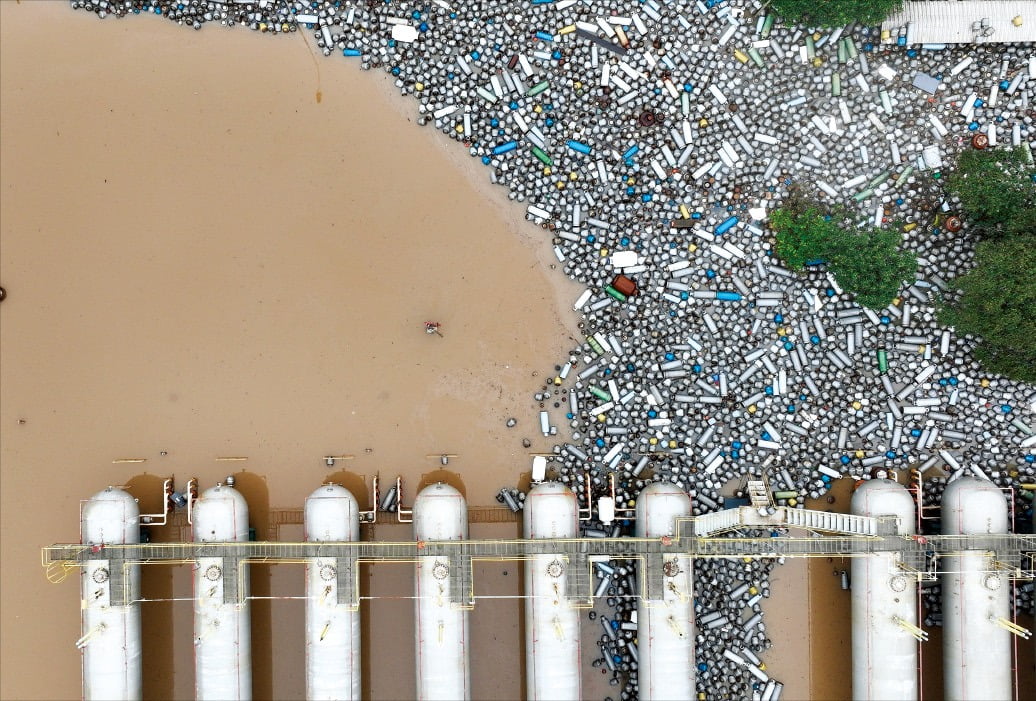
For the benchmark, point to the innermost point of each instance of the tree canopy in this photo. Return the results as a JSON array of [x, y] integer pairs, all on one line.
[[870, 265], [835, 13], [999, 304], [866, 262], [998, 301], [996, 191], [803, 236]]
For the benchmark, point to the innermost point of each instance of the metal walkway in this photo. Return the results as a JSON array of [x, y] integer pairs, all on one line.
[[783, 517], [1011, 555]]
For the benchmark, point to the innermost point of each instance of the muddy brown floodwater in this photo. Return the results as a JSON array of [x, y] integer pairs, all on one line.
[[204, 261]]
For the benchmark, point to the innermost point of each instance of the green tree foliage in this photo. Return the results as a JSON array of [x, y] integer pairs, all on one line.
[[999, 304], [996, 191], [998, 300], [803, 236], [835, 13], [865, 262], [870, 265], [1023, 223]]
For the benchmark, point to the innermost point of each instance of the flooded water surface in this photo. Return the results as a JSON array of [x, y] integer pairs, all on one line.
[[204, 261]]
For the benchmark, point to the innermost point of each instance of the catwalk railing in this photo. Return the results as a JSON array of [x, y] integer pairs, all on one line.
[[1010, 555]]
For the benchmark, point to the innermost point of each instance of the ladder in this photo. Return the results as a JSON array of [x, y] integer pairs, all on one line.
[[836, 523], [759, 494]]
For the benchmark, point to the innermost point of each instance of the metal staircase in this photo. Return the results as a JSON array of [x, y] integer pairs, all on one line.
[[848, 524], [759, 494], [708, 525]]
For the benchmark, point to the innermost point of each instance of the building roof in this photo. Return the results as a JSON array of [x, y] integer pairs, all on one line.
[[962, 22]]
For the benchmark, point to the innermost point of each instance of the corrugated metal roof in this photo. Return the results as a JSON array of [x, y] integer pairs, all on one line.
[[963, 22]]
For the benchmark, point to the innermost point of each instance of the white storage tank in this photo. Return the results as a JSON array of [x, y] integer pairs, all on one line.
[[111, 629], [222, 630], [440, 513], [551, 624], [332, 628], [665, 627], [885, 653], [976, 650]]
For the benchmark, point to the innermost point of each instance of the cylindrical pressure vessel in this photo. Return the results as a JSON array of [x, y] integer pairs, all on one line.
[[665, 632], [111, 618], [551, 623], [440, 513], [976, 649], [222, 631], [884, 603], [332, 626]]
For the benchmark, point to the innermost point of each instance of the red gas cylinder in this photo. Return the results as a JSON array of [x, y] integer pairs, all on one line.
[[980, 141], [624, 285], [954, 224]]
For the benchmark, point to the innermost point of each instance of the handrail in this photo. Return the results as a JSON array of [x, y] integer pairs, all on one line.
[[167, 495], [401, 511]]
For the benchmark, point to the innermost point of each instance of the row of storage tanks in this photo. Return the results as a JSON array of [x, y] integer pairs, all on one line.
[[885, 654]]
